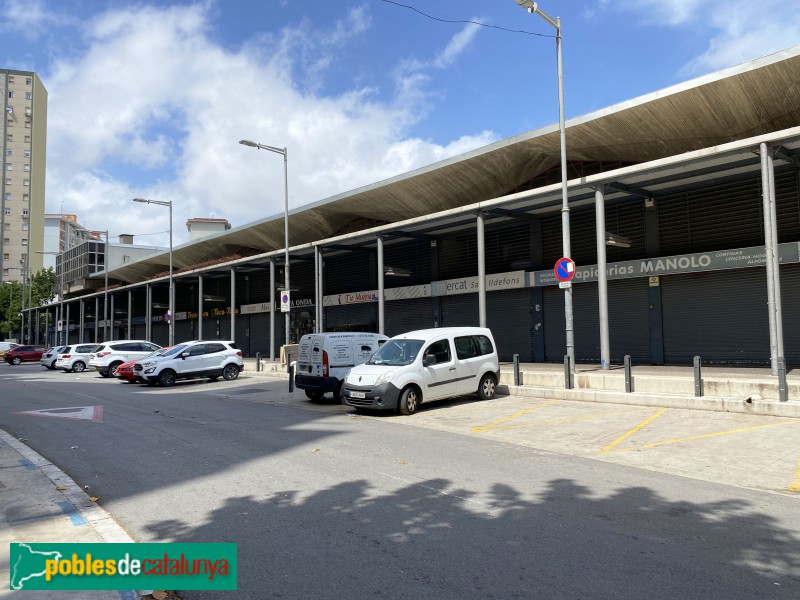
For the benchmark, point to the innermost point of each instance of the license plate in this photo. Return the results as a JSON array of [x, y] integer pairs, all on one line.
[[358, 395]]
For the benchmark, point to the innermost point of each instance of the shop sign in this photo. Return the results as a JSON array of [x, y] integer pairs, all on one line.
[[468, 285]]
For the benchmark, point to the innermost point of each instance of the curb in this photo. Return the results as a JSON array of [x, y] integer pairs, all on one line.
[[97, 517]]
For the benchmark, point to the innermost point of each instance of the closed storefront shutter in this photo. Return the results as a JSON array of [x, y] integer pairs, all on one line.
[[508, 315], [720, 316], [790, 303], [352, 317], [460, 310], [628, 322], [408, 315]]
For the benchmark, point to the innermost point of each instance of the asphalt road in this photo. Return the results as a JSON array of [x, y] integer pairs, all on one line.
[[329, 504]]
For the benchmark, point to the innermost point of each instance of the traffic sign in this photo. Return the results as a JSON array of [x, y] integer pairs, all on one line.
[[285, 301], [564, 269]]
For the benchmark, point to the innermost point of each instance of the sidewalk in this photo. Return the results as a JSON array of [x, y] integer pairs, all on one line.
[[746, 390], [35, 511]]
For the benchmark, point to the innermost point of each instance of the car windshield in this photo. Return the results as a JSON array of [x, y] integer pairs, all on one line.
[[160, 352], [396, 353], [173, 351]]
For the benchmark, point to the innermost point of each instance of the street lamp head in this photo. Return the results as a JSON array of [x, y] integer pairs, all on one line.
[[145, 200], [527, 4], [250, 143]]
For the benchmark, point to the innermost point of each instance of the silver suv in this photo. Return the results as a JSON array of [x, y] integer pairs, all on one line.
[[190, 360], [110, 355], [74, 358]]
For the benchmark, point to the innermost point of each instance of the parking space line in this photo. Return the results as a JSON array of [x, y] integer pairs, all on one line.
[[563, 420], [795, 487], [630, 432], [514, 416], [703, 436]]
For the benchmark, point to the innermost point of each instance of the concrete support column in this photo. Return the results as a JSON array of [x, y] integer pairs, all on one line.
[[381, 299], [130, 315], [200, 307], [272, 310], [233, 304], [96, 319], [481, 270], [770, 237], [602, 275], [82, 315], [110, 324], [66, 326], [148, 313]]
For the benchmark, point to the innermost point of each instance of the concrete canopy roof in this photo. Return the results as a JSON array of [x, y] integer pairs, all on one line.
[[751, 99]]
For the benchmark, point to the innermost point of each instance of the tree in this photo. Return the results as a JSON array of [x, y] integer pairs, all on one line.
[[41, 291]]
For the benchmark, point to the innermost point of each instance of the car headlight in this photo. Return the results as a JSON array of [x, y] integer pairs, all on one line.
[[384, 378], [145, 365], [150, 370]]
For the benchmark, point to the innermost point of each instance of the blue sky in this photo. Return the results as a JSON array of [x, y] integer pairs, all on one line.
[[150, 98]]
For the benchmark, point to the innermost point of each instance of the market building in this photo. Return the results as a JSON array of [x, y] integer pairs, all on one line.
[[673, 191]]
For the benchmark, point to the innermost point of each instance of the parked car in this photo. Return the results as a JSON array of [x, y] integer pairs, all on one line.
[[424, 365], [190, 360], [323, 360], [75, 358], [50, 356], [22, 354], [125, 371], [110, 355], [6, 346]]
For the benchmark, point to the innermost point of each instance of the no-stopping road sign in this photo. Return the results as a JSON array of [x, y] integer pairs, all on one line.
[[564, 269]]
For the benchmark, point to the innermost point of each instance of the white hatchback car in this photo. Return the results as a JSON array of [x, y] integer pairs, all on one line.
[[191, 360], [50, 357], [110, 355], [75, 358]]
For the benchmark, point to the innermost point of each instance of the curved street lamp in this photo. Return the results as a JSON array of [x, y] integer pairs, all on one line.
[[285, 154], [171, 309]]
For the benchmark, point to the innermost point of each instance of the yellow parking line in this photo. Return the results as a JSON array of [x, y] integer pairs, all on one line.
[[514, 416], [704, 436], [570, 419], [795, 487], [629, 433]]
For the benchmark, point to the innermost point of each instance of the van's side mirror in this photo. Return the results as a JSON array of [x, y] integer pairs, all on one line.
[[429, 360]]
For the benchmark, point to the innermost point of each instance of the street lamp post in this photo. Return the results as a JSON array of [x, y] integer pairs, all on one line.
[[171, 309], [533, 8], [285, 154], [105, 290]]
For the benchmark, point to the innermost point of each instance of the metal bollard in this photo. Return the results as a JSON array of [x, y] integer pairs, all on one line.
[[698, 377], [628, 375], [258, 361], [291, 371], [567, 373], [783, 390], [516, 369]]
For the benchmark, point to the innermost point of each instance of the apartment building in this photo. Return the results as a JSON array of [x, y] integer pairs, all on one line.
[[24, 139]]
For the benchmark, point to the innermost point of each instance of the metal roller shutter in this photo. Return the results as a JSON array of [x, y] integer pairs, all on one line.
[[508, 315], [460, 310], [790, 303], [408, 315], [628, 322], [352, 317], [720, 316]]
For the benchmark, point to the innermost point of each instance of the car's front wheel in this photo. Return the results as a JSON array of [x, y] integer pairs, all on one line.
[[167, 377], [230, 372], [409, 401]]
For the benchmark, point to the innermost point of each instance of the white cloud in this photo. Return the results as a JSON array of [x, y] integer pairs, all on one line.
[[153, 107], [456, 46], [29, 17]]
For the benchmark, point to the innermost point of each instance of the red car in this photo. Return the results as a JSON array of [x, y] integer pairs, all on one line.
[[22, 354], [125, 371]]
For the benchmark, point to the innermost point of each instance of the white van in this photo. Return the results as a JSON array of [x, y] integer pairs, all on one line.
[[323, 360], [429, 364]]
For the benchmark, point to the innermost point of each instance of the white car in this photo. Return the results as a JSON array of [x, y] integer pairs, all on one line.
[[75, 358], [110, 355], [50, 357], [191, 360], [429, 364]]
